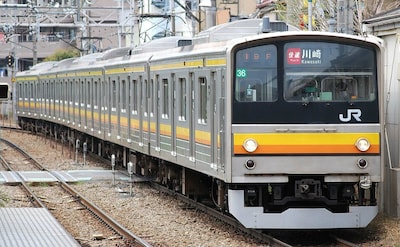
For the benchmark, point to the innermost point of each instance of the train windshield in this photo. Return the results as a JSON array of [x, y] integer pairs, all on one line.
[[327, 72], [304, 82]]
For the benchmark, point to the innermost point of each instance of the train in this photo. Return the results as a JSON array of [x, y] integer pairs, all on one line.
[[281, 129]]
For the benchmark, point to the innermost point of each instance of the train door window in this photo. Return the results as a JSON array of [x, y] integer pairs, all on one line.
[[144, 98], [95, 94], [47, 97], [203, 100], [123, 94], [89, 96], [151, 98], [65, 102], [76, 104], [59, 95], [53, 84], [182, 103], [165, 98], [38, 93], [31, 91], [113, 95], [134, 97], [83, 100], [141, 96]]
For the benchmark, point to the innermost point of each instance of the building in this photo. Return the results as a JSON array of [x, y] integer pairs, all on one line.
[[31, 30], [387, 26]]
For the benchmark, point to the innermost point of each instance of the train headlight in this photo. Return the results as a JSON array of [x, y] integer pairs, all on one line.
[[363, 144], [250, 145]]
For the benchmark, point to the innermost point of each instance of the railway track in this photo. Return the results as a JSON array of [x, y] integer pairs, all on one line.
[[265, 238], [60, 198], [270, 240]]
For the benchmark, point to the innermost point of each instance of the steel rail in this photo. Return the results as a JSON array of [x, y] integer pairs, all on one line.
[[125, 233]]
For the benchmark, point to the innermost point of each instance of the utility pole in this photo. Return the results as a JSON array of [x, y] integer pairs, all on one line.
[[345, 16], [310, 15]]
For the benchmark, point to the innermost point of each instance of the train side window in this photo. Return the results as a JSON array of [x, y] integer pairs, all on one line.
[[203, 100], [182, 99]]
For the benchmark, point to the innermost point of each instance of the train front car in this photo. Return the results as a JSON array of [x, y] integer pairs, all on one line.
[[306, 131]]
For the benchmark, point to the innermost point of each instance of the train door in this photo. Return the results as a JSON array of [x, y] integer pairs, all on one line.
[[98, 105], [93, 104], [81, 101], [86, 101], [64, 98], [213, 117], [153, 110], [172, 111], [134, 109], [32, 101], [157, 111], [129, 108], [114, 116], [204, 118], [107, 107], [118, 105], [181, 113], [124, 106], [103, 105], [192, 117], [142, 110]]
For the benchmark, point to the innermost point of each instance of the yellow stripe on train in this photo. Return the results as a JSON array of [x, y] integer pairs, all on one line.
[[306, 143]]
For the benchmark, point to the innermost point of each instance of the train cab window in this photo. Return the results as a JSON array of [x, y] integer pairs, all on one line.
[[327, 72], [256, 74]]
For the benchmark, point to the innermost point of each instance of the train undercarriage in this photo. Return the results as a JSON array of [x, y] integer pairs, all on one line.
[[272, 199]]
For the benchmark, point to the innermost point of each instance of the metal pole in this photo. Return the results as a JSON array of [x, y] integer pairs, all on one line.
[[77, 142], [112, 166], [84, 153], [130, 171]]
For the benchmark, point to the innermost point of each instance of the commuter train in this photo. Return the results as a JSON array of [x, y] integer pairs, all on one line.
[[279, 128]]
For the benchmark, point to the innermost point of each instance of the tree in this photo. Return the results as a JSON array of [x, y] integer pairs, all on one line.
[[295, 12], [62, 54]]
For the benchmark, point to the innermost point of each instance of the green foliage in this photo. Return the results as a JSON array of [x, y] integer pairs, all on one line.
[[4, 199], [62, 54]]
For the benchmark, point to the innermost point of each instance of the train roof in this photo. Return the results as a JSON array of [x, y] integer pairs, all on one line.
[[213, 40]]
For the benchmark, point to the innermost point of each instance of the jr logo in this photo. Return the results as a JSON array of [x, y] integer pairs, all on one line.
[[351, 113]]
